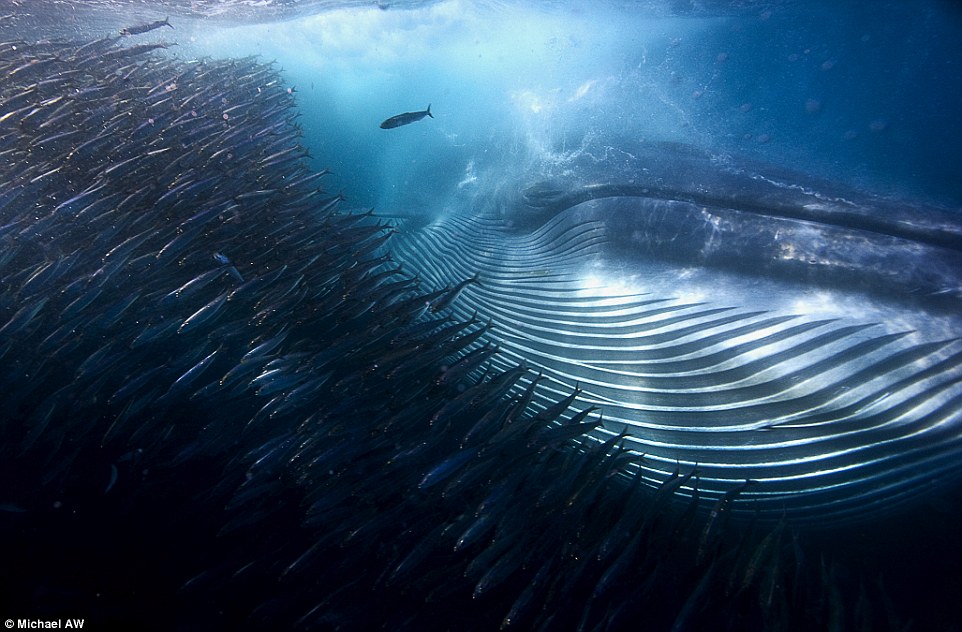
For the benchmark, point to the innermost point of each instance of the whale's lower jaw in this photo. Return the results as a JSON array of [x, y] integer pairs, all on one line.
[[833, 403]]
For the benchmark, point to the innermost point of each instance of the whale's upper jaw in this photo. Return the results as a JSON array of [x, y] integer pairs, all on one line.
[[690, 207], [922, 265]]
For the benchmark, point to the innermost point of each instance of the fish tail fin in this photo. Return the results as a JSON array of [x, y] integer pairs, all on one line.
[[429, 111], [167, 22]]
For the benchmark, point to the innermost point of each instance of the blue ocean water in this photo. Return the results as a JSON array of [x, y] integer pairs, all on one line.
[[860, 93], [859, 415]]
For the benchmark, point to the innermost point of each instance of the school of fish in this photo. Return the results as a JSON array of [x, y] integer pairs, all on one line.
[[224, 404]]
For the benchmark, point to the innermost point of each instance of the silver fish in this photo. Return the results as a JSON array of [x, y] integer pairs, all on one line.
[[406, 118]]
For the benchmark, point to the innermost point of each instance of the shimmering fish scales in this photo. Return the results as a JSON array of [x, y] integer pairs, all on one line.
[[22, 317], [445, 301], [204, 315]]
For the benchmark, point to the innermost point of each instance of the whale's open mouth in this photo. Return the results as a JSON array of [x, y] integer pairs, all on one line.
[[752, 331]]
